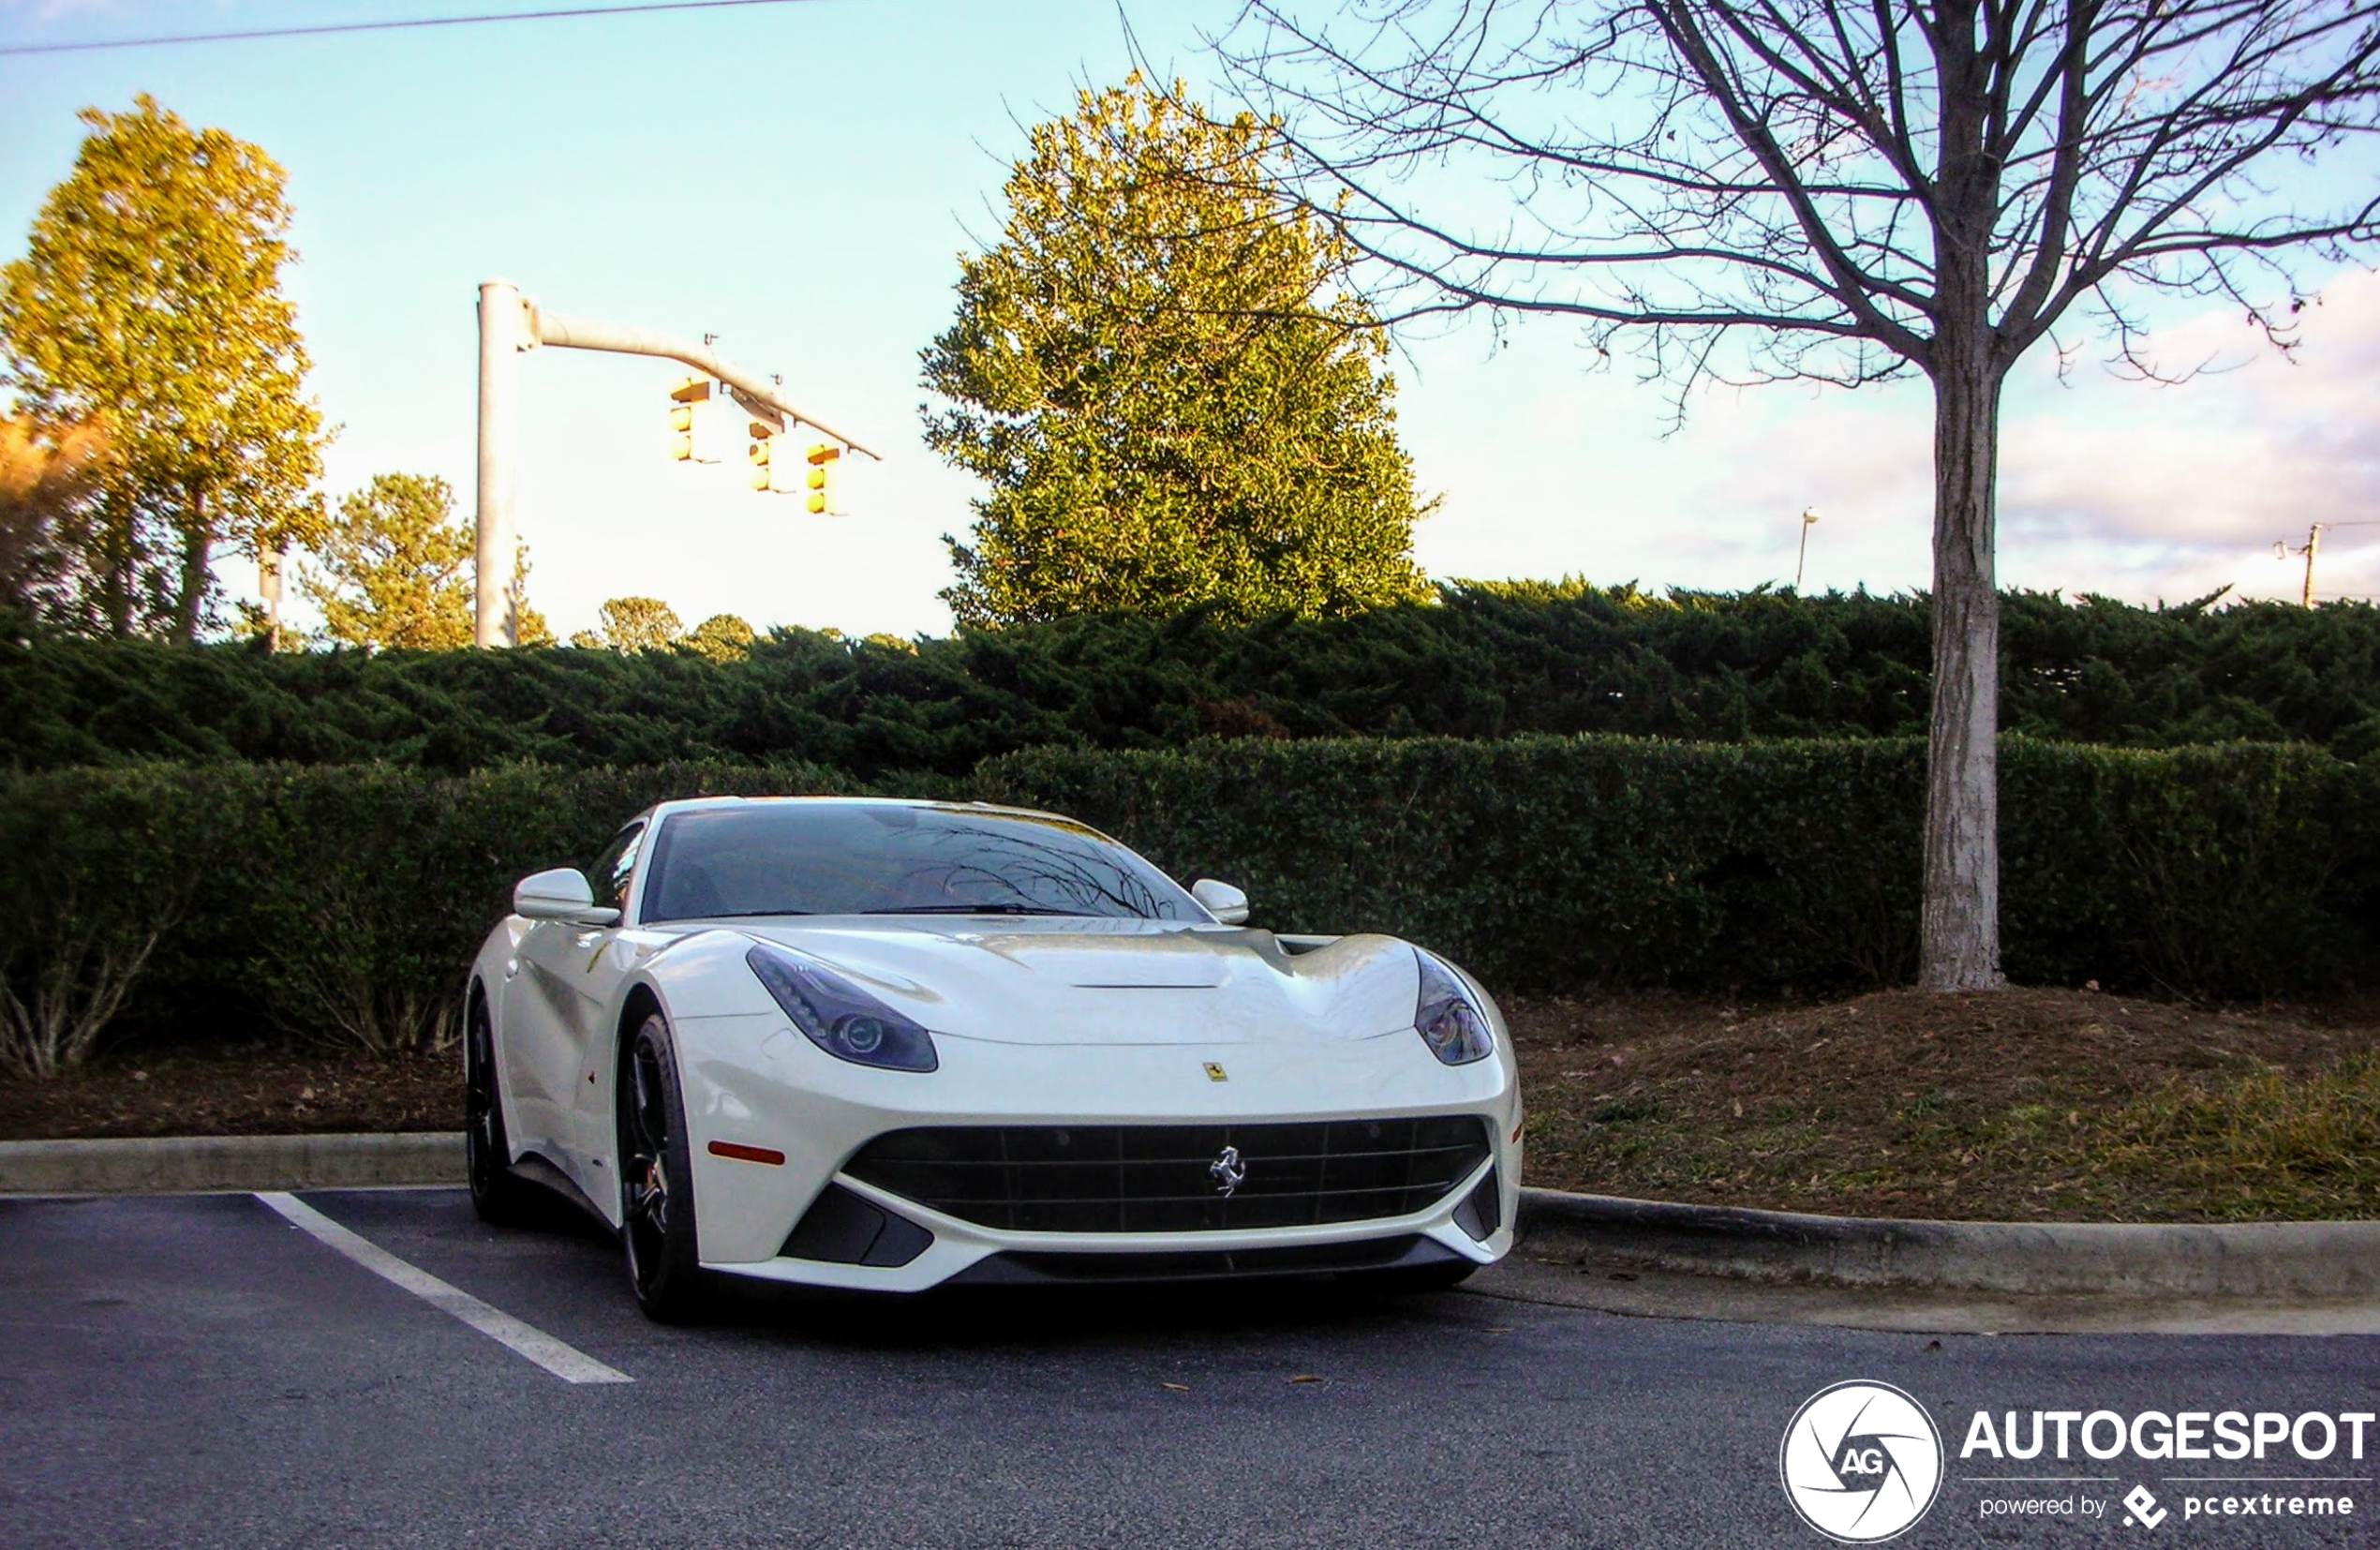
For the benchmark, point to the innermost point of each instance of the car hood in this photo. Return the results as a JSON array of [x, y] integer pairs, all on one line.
[[1070, 981]]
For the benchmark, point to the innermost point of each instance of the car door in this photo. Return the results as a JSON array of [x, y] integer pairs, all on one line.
[[558, 1009]]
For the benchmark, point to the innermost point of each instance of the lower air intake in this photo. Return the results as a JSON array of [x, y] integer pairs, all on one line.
[[1172, 1178]]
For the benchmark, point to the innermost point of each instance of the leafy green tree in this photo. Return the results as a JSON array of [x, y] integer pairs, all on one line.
[[396, 568], [721, 637], [150, 296], [638, 624], [1173, 404]]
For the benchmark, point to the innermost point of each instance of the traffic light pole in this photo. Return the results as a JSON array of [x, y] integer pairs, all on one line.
[[496, 617], [510, 324]]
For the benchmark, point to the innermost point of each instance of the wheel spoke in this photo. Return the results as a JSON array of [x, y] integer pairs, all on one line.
[[477, 1078], [645, 1106], [648, 1118], [648, 1192], [478, 1102]]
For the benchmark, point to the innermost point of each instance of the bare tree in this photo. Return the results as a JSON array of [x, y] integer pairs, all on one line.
[[1819, 189]]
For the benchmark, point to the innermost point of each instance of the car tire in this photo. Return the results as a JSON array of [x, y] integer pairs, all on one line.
[[500, 1197], [1410, 1280], [657, 1179]]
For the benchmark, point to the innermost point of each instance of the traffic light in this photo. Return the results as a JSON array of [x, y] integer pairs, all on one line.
[[773, 466], [694, 416], [824, 459]]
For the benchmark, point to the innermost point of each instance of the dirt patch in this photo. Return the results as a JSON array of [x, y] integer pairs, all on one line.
[[2025, 1105], [239, 1091]]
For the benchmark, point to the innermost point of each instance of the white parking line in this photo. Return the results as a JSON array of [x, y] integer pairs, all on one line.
[[564, 1361]]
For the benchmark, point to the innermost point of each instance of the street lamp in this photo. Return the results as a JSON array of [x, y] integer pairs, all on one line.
[[1809, 520]]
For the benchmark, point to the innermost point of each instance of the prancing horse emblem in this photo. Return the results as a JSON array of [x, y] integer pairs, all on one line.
[[1228, 1171]]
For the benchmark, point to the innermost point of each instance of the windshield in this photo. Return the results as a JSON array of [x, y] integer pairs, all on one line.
[[839, 858]]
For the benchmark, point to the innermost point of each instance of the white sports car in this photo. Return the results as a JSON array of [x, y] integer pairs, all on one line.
[[894, 1045]]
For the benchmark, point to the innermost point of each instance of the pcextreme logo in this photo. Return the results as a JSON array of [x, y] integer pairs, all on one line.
[[1861, 1461]]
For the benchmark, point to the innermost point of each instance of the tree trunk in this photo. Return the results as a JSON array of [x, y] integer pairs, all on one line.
[[196, 548], [117, 551], [1960, 947]]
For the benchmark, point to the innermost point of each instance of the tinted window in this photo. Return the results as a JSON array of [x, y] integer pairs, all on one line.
[[828, 858], [612, 869]]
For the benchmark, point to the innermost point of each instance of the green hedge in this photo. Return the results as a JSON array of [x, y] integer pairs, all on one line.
[[336, 903], [1485, 662], [1549, 862], [343, 902]]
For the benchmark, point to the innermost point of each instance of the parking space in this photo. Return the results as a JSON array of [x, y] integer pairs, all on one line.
[[199, 1371]]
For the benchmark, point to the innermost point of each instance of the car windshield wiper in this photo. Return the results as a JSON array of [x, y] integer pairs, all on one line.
[[969, 909]]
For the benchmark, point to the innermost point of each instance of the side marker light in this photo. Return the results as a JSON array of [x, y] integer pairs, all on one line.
[[741, 1153]]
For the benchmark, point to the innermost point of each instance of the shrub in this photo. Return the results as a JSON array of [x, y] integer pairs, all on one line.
[[98, 875]]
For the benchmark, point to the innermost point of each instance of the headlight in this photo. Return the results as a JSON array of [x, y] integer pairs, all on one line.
[[1450, 1023], [840, 1017]]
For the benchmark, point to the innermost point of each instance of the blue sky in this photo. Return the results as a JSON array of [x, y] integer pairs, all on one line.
[[800, 179]]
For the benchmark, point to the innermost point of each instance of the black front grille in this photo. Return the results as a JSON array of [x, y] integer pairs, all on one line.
[[1169, 1178]]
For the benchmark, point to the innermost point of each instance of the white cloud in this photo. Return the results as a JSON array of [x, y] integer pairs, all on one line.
[[2106, 485], [2188, 486]]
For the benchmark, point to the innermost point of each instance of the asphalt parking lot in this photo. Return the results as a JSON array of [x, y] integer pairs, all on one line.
[[199, 1371]]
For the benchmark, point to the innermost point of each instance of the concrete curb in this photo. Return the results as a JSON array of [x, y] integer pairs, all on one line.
[[2243, 1259], [192, 1164]]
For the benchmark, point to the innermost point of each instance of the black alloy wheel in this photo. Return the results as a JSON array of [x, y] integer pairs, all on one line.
[[499, 1197], [657, 1179]]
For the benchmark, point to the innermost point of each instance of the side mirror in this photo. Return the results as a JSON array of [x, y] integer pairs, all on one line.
[[1223, 901], [561, 894]]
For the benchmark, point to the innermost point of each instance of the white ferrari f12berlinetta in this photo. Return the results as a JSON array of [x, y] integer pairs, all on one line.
[[893, 1045]]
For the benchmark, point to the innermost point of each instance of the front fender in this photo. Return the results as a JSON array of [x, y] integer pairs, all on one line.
[[705, 976]]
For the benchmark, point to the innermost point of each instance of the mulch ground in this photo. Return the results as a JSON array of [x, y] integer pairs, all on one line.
[[240, 1092], [2026, 1105]]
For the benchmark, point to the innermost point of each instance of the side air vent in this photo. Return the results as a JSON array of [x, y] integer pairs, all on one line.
[[841, 1229], [1483, 1210]]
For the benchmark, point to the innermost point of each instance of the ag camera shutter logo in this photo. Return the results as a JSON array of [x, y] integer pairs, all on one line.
[[1861, 1461]]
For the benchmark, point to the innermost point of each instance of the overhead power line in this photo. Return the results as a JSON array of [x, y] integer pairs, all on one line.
[[97, 45]]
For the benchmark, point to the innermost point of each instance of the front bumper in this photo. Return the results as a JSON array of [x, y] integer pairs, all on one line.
[[754, 1082]]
